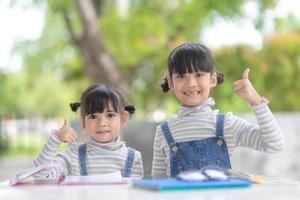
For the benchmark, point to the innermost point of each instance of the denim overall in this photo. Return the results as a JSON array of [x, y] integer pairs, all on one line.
[[198, 154], [83, 166]]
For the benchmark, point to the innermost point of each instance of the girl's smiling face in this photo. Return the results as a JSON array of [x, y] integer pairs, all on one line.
[[191, 89], [104, 127]]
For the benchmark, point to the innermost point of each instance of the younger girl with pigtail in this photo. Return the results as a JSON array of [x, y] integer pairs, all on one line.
[[103, 114]]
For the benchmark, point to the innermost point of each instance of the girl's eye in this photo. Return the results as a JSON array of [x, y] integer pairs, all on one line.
[[110, 115], [199, 74], [179, 76], [92, 116]]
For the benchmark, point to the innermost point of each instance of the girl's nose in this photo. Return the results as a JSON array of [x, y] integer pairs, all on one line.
[[191, 81], [102, 122]]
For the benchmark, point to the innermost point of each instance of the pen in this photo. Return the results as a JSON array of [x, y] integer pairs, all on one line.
[[246, 176]]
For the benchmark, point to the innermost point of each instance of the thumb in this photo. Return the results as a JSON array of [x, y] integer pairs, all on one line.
[[246, 74], [66, 123]]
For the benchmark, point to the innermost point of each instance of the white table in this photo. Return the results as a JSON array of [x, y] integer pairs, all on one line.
[[284, 191]]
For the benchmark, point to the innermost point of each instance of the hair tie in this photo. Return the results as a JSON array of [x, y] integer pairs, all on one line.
[[165, 86], [130, 109], [75, 106], [220, 78]]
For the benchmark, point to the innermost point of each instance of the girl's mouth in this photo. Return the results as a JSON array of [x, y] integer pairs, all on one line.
[[191, 93], [102, 132]]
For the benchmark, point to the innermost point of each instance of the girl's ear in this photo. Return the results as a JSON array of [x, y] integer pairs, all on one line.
[[124, 118], [170, 83], [82, 121], [213, 80]]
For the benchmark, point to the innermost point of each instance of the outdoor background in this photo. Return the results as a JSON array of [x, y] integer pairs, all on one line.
[[50, 51]]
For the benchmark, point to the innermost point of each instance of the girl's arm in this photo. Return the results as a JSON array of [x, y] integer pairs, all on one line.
[[137, 168], [48, 156], [159, 166], [266, 136]]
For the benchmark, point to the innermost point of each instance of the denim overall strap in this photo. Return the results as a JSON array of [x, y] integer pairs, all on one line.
[[220, 125], [220, 134], [129, 163], [82, 160], [167, 133]]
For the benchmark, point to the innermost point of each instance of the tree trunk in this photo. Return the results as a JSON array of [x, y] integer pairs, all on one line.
[[98, 63]]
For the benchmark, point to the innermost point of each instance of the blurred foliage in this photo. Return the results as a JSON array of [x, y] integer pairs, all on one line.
[[24, 95], [275, 69], [26, 145], [140, 41]]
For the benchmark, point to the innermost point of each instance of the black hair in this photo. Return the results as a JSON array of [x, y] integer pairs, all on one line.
[[100, 96], [190, 57]]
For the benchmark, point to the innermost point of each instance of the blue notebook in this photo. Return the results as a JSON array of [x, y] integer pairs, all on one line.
[[176, 184]]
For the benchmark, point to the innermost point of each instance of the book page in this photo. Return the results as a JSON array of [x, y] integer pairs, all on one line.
[[109, 178]]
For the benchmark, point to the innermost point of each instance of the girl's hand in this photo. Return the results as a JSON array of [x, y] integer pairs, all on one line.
[[244, 89], [66, 133]]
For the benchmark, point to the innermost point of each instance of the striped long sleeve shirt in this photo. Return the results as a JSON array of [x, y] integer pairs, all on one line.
[[200, 122], [101, 158]]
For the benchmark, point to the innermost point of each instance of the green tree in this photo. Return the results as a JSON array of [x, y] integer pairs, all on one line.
[[91, 40]]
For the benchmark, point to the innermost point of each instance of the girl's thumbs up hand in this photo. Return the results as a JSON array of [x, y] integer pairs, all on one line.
[[66, 133], [245, 89]]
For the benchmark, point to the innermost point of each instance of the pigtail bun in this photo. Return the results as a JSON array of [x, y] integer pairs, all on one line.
[[130, 109], [74, 106], [220, 78], [165, 86]]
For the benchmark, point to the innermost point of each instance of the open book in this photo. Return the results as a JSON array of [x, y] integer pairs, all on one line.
[[109, 178], [29, 177]]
